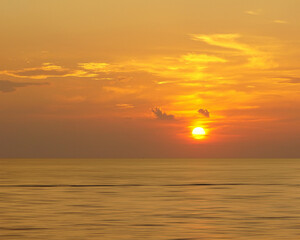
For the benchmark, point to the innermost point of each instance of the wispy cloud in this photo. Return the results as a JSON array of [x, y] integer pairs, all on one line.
[[96, 66], [162, 115], [294, 80], [256, 58], [9, 86], [280, 21], [120, 90], [254, 12], [202, 58], [291, 80], [124, 105], [71, 99], [45, 71], [188, 66]]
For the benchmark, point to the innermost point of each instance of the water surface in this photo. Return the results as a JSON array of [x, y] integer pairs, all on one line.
[[150, 199]]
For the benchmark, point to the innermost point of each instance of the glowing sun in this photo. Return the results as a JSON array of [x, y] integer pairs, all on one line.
[[198, 133]]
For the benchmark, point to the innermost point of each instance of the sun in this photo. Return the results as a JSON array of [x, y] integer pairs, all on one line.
[[198, 133]]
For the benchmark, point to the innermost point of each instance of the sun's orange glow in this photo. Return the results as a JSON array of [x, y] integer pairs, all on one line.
[[198, 133], [132, 89]]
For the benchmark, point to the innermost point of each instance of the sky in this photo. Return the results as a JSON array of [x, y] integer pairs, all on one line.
[[133, 78]]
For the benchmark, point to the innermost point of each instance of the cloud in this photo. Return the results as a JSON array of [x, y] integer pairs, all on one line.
[[288, 79], [120, 90], [186, 67], [162, 115], [280, 21], [45, 71], [189, 66], [8, 86], [294, 80], [73, 99], [201, 58], [256, 58], [95, 66], [254, 12], [172, 68], [204, 112], [124, 105]]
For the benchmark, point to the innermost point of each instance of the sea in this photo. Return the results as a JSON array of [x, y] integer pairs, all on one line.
[[169, 199]]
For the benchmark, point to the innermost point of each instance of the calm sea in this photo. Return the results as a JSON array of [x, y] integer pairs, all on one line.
[[150, 199]]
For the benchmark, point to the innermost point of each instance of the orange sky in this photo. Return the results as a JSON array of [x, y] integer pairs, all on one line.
[[132, 78]]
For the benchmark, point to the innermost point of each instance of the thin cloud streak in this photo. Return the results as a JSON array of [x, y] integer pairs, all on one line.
[[280, 21], [9, 86], [45, 71]]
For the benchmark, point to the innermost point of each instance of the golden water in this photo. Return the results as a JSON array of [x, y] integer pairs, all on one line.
[[150, 199]]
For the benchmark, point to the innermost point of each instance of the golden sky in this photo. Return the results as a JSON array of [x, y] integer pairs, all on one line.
[[133, 78]]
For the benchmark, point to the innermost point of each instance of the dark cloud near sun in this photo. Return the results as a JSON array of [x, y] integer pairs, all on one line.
[[8, 86], [162, 115], [204, 112]]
